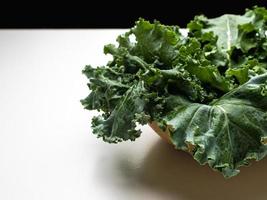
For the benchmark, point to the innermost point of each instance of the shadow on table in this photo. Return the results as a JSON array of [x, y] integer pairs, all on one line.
[[176, 174]]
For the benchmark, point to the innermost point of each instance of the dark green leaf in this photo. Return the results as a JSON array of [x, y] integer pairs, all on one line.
[[229, 132]]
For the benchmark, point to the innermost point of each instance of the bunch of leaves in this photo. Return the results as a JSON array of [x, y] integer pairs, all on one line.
[[208, 88]]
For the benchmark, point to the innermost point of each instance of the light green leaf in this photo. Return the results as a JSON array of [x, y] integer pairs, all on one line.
[[226, 28]]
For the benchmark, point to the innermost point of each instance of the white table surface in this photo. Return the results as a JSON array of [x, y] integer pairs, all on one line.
[[47, 150]]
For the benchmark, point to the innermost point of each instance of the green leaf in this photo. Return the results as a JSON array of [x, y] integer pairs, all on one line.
[[120, 124], [194, 60], [241, 74], [227, 133], [224, 27], [106, 89], [252, 35], [156, 41]]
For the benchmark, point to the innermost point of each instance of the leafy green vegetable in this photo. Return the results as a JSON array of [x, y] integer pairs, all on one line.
[[233, 131], [209, 88]]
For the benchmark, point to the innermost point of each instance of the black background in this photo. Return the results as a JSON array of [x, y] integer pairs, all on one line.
[[112, 14]]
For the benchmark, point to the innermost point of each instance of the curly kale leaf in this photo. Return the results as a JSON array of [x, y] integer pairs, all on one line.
[[121, 122], [156, 41], [227, 133]]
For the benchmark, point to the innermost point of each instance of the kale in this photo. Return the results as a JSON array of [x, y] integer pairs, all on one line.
[[208, 87]]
